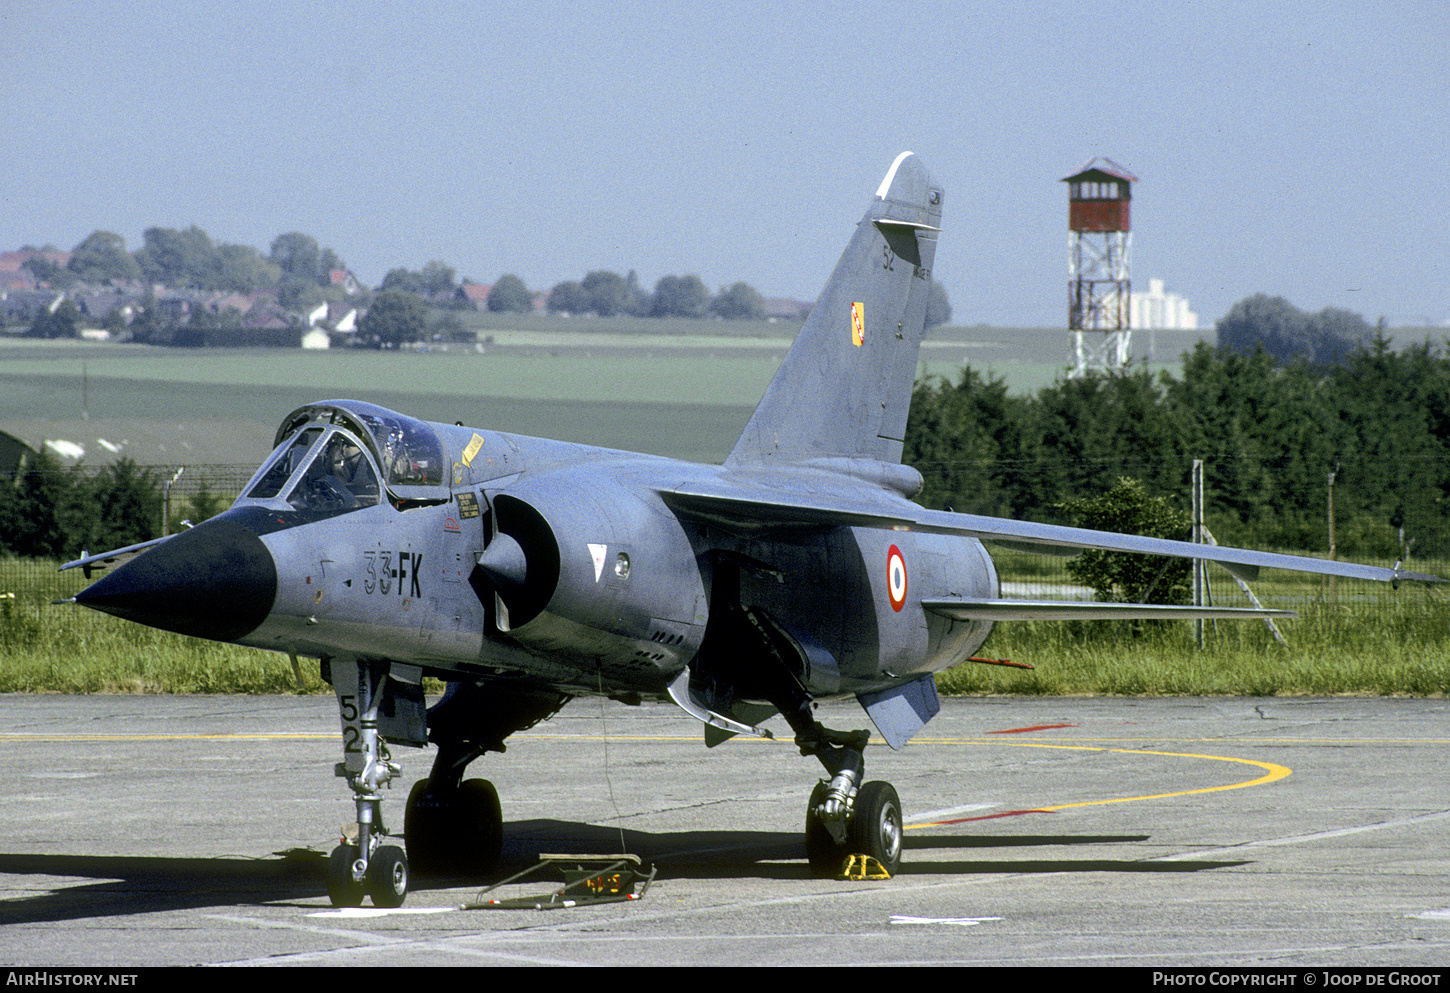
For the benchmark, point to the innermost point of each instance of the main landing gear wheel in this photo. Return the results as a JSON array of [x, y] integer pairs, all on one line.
[[461, 833], [874, 829], [876, 826], [823, 852]]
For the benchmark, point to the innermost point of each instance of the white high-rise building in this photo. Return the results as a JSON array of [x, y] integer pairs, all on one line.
[[1157, 310]]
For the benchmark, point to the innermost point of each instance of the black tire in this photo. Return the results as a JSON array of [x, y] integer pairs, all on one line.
[[342, 889], [480, 822], [425, 831], [460, 834], [388, 877], [822, 852], [876, 828]]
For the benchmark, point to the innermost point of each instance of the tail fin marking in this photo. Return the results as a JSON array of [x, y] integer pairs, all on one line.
[[844, 388]]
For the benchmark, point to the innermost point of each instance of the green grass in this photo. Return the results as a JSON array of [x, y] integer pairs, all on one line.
[[1373, 641], [1359, 638], [61, 648]]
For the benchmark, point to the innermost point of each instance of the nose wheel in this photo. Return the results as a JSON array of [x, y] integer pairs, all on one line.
[[385, 877]]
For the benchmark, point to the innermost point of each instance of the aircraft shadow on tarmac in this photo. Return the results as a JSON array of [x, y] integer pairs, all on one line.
[[781, 855], [125, 885]]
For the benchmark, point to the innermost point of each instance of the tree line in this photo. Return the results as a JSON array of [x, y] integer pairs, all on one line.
[[53, 511], [304, 273], [608, 294], [1274, 437]]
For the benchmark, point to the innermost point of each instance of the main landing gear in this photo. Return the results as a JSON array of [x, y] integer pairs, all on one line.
[[843, 817], [747, 654], [454, 826]]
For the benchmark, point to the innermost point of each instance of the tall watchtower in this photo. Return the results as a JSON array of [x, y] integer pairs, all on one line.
[[1099, 198]]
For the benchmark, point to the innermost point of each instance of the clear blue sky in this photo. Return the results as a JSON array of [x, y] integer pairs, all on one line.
[[1294, 149]]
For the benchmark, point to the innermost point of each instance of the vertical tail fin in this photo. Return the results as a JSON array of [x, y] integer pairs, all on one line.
[[845, 386]]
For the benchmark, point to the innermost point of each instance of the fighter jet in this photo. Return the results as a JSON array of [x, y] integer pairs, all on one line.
[[524, 572]]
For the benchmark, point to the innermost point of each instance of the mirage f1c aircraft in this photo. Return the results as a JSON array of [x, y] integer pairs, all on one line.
[[524, 572]]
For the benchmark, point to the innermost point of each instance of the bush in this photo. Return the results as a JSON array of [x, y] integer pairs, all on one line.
[[1122, 576]]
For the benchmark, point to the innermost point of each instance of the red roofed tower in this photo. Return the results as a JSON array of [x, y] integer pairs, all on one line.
[[1099, 198]]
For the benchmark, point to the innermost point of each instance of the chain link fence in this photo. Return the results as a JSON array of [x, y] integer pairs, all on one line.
[[171, 498]]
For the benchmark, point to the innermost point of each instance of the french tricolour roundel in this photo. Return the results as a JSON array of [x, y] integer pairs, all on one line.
[[896, 577]]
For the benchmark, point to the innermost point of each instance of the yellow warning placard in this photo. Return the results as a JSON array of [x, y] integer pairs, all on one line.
[[474, 445]]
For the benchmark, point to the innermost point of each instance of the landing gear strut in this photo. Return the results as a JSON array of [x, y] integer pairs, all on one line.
[[749, 655], [364, 866], [844, 817]]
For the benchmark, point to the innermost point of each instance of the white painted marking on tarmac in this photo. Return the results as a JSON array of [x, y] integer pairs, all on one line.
[[380, 911], [1300, 839], [1434, 915], [958, 921], [936, 815]]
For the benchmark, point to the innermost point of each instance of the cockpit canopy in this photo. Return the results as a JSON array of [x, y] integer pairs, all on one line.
[[342, 455]]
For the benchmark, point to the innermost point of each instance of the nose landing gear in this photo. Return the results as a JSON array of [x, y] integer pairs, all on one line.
[[363, 866]]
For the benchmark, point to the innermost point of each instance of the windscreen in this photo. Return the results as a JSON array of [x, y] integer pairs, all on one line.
[[404, 455], [321, 469], [411, 453]]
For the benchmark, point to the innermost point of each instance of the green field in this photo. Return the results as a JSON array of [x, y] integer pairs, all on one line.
[[680, 388], [679, 403]]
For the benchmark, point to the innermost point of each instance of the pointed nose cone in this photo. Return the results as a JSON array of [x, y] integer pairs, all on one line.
[[214, 581]]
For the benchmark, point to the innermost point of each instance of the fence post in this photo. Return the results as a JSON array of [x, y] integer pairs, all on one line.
[[166, 502], [1199, 576], [1333, 584]]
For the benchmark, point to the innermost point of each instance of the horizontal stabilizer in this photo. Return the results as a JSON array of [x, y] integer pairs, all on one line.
[[975, 609]]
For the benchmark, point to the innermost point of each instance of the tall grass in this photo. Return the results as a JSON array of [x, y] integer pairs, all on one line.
[[61, 648], [1360, 639]]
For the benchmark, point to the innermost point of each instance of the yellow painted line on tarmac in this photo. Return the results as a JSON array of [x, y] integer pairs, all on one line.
[[258, 736], [1272, 773], [1188, 741]]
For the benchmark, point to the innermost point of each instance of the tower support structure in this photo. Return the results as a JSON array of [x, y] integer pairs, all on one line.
[[1099, 284]]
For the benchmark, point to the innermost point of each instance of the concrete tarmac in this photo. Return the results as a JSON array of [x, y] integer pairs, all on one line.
[[1278, 833]]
